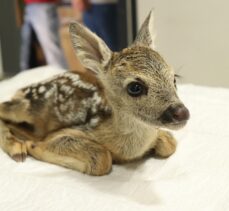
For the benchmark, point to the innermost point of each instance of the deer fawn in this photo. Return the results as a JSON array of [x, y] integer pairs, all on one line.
[[87, 121]]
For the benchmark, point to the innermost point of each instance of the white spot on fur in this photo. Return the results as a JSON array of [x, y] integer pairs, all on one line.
[[61, 98], [41, 89], [50, 92], [96, 100], [27, 91], [63, 107], [67, 89], [34, 91], [79, 83], [35, 97], [94, 122]]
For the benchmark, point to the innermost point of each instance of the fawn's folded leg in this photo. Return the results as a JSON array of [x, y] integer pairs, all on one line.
[[72, 148], [13, 146], [165, 144]]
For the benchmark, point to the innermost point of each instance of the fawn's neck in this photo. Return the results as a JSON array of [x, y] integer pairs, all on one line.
[[125, 124], [126, 137]]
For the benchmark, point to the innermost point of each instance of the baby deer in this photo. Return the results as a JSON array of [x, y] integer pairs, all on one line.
[[87, 121]]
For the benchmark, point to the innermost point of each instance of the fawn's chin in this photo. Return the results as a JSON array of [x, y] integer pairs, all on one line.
[[174, 125]]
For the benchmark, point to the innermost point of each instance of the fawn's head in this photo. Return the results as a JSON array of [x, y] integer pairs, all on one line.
[[137, 80]]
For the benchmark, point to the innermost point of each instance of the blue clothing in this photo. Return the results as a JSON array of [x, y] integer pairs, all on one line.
[[42, 18], [102, 19]]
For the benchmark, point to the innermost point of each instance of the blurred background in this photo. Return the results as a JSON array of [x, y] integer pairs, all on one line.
[[191, 35]]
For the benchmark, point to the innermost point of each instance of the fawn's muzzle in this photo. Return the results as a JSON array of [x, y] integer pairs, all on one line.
[[175, 114]]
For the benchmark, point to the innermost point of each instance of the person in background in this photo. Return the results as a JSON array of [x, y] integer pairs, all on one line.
[[41, 18], [101, 17]]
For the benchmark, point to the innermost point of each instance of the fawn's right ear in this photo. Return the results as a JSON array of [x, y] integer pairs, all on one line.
[[91, 50], [146, 34]]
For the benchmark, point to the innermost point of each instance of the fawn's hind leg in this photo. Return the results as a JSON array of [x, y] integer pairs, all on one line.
[[13, 146], [16, 110], [165, 145], [73, 149]]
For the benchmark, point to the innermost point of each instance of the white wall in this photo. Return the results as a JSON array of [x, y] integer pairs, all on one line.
[[193, 36]]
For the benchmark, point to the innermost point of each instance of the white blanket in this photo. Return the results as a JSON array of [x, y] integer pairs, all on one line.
[[195, 178]]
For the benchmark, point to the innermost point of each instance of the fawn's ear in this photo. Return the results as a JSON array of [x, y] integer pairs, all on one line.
[[91, 50], [146, 34]]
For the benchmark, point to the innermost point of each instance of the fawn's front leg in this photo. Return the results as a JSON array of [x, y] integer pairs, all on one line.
[[165, 144], [73, 149]]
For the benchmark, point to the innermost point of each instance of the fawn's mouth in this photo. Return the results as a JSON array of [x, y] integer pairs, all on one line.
[[175, 125], [163, 123]]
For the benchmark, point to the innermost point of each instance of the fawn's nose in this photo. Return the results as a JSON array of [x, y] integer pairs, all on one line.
[[175, 114]]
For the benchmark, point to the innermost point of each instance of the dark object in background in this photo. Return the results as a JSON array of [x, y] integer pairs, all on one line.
[[127, 22], [37, 57], [10, 38]]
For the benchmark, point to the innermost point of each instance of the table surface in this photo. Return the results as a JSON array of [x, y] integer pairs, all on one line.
[[196, 177]]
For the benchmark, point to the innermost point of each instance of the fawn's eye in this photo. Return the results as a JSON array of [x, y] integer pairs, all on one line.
[[136, 89]]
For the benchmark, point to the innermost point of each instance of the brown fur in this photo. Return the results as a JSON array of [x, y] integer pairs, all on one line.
[[87, 121]]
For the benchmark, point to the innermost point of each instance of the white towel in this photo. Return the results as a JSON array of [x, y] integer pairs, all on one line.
[[196, 177]]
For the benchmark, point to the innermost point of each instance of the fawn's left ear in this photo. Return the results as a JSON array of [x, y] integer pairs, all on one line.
[[146, 34], [91, 50]]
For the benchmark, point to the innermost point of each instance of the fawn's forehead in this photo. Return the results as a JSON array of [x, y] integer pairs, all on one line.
[[139, 59]]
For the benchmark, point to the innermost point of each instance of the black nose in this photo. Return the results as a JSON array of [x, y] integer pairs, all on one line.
[[176, 113]]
